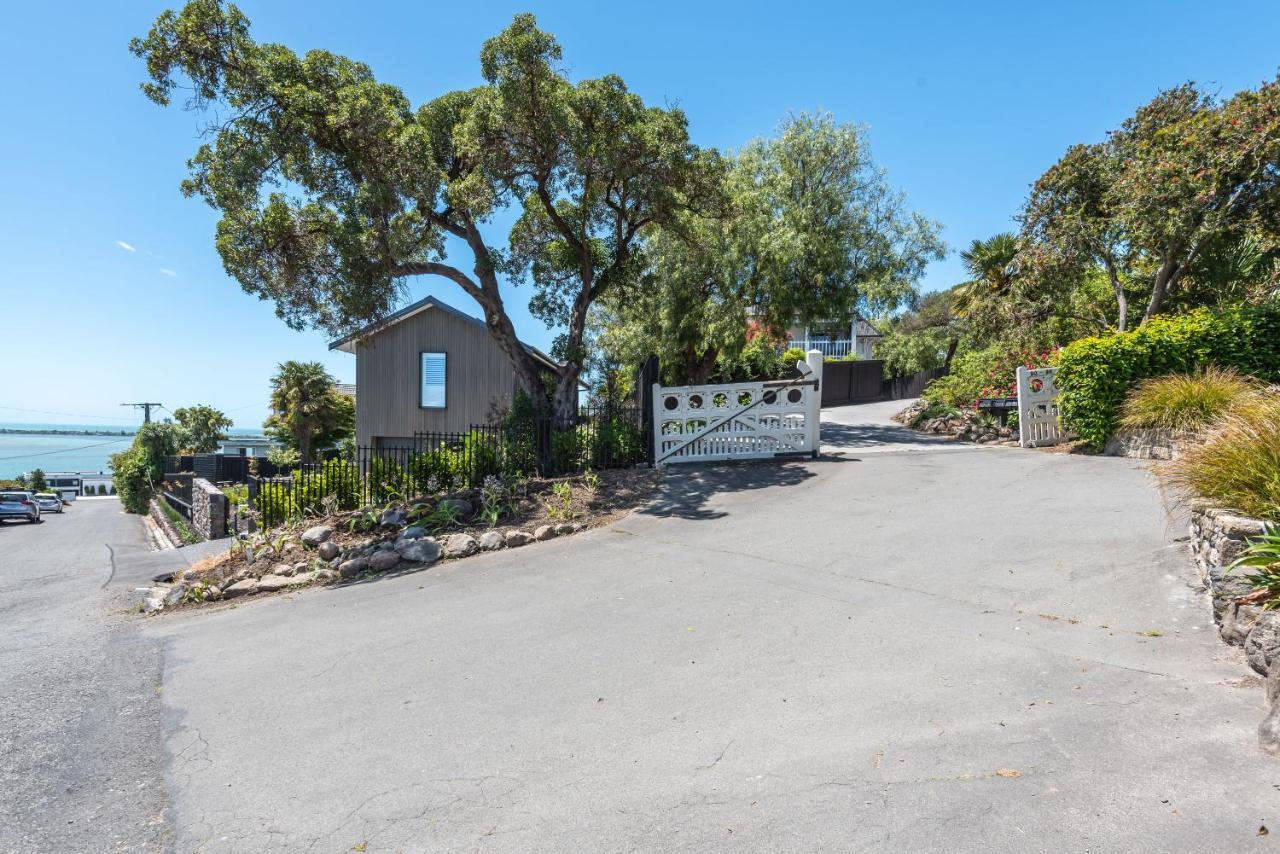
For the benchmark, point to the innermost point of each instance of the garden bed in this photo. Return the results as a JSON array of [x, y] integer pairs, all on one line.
[[967, 425], [408, 535]]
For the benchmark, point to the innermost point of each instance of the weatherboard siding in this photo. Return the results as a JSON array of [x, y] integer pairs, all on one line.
[[478, 377]]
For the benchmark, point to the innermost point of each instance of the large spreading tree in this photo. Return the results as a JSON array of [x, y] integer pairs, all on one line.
[[811, 231], [1185, 181], [334, 189]]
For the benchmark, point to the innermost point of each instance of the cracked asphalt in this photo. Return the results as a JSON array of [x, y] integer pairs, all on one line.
[[904, 645]]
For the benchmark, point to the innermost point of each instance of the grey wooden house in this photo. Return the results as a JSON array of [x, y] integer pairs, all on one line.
[[427, 367]]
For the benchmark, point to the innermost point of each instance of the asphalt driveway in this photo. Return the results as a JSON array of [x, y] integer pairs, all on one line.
[[901, 646]]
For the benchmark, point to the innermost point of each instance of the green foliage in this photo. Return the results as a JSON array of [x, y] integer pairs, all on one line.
[[1095, 374], [1262, 555], [308, 413], [132, 478], [333, 187], [388, 481], [787, 361], [1187, 175], [180, 525], [560, 505], [757, 361], [935, 409], [36, 482], [200, 428], [337, 480], [811, 230], [989, 372], [284, 457], [1184, 401], [1238, 464], [237, 494], [495, 501], [136, 470]]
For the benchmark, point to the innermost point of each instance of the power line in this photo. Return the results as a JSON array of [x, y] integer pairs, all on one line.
[[64, 414], [67, 450]]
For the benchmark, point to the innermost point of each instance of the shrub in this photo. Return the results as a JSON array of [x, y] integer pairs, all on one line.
[[337, 480], [1095, 374], [932, 411], [989, 372], [787, 361], [132, 478], [1184, 401], [1238, 465], [757, 361]]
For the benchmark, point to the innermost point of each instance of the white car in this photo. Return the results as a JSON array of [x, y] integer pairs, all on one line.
[[48, 502]]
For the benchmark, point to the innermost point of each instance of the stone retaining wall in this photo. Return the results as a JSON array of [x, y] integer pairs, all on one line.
[[1149, 444], [1218, 537], [208, 510]]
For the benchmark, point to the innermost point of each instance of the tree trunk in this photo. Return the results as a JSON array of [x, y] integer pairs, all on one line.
[[1122, 301], [952, 345], [1165, 277], [564, 406]]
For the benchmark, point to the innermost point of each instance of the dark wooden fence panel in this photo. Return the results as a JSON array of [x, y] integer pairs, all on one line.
[[864, 382], [899, 388]]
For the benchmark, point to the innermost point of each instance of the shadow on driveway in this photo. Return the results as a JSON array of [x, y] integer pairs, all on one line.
[[686, 490]]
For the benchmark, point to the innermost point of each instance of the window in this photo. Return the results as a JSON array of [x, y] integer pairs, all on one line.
[[431, 395]]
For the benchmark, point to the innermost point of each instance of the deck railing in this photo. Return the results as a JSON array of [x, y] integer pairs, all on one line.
[[830, 349]]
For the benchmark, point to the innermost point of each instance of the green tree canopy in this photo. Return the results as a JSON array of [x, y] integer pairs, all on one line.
[[1187, 175], [812, 232], [36, 481], [201, 428], [334, 189], [308, 413]]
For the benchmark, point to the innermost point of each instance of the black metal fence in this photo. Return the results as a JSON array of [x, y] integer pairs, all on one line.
[[223, 468], [434, 462], [176, 492]]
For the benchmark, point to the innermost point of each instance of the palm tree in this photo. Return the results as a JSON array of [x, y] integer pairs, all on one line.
[[306, 410], [990, 263]]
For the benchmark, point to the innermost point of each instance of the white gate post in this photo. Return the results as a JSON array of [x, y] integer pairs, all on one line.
[[656, 393], [813, 415]]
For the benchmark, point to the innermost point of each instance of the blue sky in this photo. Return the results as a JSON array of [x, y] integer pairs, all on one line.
[[966, 104]]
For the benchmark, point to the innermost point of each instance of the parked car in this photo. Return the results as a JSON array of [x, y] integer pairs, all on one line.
[[48, 502], [19, 505]]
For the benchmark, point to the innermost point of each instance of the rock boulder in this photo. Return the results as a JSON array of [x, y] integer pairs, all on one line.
[[316, 535]]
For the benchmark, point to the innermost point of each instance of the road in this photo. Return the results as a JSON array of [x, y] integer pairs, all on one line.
[[81, 764], [906, 645]]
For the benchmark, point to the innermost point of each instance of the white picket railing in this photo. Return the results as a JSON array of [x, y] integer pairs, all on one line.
[[1038, 408], [735, 421]]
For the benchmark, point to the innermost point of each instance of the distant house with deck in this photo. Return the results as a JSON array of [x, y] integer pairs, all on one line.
[[427, 368], [836, 340]]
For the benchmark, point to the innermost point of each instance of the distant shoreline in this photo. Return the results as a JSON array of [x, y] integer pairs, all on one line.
[[36, 431]]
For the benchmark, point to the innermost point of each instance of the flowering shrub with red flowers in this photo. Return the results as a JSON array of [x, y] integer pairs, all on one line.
[[989, 372]]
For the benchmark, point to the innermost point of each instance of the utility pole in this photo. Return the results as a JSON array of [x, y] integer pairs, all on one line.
[[146, 409]]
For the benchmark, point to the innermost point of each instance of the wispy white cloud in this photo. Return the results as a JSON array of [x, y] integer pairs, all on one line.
[[167, 272], [125, 246]]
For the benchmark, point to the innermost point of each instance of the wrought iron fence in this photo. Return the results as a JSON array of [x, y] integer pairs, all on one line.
[[433, 462]]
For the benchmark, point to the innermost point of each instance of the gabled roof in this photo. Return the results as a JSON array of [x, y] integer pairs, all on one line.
[[347, 343]]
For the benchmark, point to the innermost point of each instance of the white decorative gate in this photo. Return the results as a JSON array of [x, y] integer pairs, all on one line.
[[1038, 408], [738, 421]]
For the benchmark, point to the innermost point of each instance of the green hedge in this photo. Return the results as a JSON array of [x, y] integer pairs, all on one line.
[[1095, 374]]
